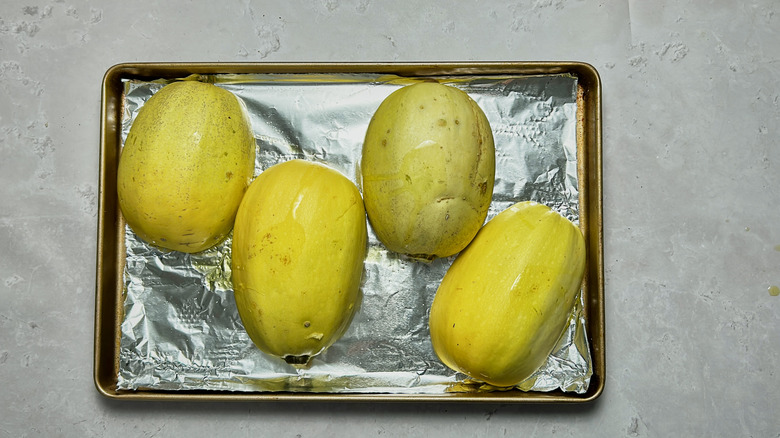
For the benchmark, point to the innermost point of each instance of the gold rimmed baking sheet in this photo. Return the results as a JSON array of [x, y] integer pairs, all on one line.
[[111, 234]]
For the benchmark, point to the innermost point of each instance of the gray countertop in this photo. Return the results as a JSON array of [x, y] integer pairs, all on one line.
[[691, 171]]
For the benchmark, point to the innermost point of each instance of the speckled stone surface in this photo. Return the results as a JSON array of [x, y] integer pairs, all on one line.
[[691, 95]]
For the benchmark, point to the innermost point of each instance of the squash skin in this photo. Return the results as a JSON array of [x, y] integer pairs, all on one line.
[[428, 169], [299, 244], [185, 165], [505, 301]]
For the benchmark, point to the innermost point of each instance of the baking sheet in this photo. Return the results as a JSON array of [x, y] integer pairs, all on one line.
[[110, 303]]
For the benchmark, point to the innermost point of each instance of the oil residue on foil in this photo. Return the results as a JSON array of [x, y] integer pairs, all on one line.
[[181, 329]]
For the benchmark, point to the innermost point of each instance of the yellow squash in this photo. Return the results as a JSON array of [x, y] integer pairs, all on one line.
[[299, 243], [186, 163], [504, 302], [428, 167]]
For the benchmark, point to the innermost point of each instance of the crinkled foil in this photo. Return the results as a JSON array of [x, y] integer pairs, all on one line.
[[181, 329]]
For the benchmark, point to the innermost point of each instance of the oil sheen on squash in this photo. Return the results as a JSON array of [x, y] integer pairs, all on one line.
[[506, 299], [187, 161], [299, 244]]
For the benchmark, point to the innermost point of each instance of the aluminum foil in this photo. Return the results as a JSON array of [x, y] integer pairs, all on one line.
[[181, 329]]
